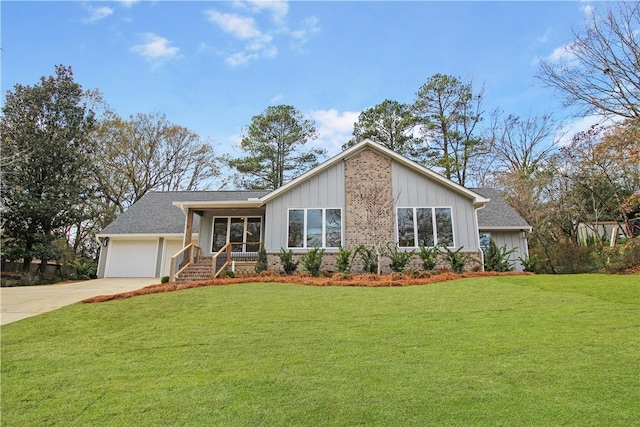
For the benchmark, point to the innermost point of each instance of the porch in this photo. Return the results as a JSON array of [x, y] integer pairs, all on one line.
[[189, 265], [228, 236]]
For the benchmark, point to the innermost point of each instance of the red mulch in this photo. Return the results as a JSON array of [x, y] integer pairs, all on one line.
[[368, 280]]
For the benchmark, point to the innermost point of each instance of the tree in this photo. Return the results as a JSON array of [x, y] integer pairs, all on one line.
[[390, 124], [147, 152], [450, 112], [600, 70], [522, 146], [604, 171], [520, 153], [46, 159], [274, 142]]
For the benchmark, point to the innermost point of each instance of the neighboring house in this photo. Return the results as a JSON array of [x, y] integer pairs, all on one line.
[[602, 231], [367, 195]]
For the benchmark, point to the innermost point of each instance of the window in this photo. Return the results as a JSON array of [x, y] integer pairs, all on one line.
[[314, 228], [424, 226], [485, 238], [236, 230]]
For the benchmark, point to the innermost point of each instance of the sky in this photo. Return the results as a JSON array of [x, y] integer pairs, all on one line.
[[211, 66]]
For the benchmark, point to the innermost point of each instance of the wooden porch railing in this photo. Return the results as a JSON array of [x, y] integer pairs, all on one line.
[[185, 257], [227, 255]]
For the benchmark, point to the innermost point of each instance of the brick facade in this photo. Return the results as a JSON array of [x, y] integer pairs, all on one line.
[[368, 199]]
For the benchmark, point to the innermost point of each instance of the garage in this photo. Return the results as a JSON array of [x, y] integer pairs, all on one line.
[[172, 247], [131, 258]]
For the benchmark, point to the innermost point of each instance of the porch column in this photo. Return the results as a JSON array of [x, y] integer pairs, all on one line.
[[188, 228]]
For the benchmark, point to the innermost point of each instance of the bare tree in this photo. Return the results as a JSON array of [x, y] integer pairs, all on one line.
[[600, 69], [521, 146], [147, 152]]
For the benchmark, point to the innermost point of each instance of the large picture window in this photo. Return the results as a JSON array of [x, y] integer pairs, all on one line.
[[237, 230], [424, 226], [314, 228]]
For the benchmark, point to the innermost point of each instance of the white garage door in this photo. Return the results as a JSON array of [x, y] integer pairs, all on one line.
[[132, 258]]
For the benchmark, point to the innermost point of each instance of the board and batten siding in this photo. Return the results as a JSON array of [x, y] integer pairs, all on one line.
[[324, 190], [411, 189], [511, 239]]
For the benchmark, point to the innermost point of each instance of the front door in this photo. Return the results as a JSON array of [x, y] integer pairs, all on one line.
[[237, 230]]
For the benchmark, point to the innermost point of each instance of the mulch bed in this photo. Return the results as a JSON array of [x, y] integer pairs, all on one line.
[[365, 280]]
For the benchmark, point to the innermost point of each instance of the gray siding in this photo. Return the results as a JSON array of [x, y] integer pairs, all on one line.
[[324, 190], [511, 239], [411, 189]]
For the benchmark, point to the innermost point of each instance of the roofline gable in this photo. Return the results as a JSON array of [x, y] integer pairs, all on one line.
[[478, 200]]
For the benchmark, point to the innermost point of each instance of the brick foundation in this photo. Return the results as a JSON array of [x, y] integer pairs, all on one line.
[[329, 263]]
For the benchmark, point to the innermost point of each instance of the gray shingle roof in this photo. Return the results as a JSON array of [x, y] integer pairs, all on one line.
[[497, 213], [154, 213]]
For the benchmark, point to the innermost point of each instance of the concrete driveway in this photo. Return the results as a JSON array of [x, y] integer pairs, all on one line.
[[20, 302]]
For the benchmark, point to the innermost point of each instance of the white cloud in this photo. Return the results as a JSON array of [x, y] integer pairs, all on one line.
[[128, 3], [155, 48], [258, 43], [570, 128], [97, 13], [587, 9], [276, 99], [240, 27], [334, 129], [563, 53], [240, 58], [278, 8]]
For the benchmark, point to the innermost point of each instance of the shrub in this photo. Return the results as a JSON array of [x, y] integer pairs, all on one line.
[[343, 260], [429, 257], [165, 279], [227, 273], [262, 264], [530, 263], [369, 258], [623, 257], [497, 259], [312, 261], [567, 258], [456, 259], [83, 269], [399, 259], [286, 258]]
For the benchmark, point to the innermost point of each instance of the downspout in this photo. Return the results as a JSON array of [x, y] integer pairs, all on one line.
[[478, 235]]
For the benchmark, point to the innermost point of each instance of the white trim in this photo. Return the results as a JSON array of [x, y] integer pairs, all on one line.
[[249, 203], [136, 236], [506, 227], [323, 230], [244, 227], [434, 225]]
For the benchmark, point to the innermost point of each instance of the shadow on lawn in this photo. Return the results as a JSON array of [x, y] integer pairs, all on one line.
[[368, 280]]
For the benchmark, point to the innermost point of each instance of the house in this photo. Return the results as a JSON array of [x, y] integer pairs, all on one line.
[[367, 195]]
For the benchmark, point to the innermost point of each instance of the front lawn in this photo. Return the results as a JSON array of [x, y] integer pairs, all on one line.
[[513, 350]]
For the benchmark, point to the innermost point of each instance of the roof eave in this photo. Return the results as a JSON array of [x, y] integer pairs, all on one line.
[[242, 204], [506, 227], [141, 235]]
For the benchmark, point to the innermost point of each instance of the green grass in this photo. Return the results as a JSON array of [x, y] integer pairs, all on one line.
[[522, 350]]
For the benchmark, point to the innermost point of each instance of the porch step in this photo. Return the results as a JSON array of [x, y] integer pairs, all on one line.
[[196, 272], [202, 270]]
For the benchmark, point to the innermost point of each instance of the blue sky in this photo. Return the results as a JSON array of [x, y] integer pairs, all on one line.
[[212, 65]]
